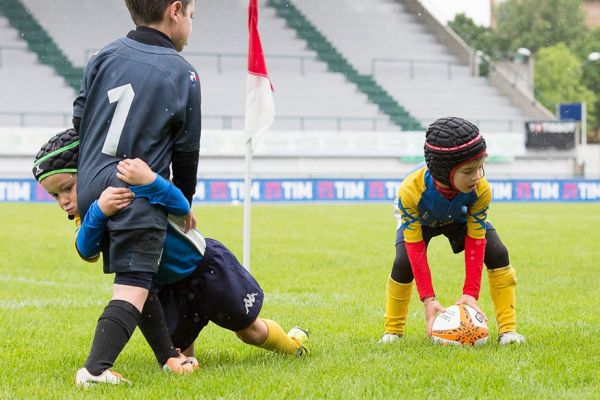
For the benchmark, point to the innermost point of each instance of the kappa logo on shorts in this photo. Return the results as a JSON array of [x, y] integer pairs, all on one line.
[[249, 301]]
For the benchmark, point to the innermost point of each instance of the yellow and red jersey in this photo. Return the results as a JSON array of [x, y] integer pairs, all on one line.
[[420, 204]]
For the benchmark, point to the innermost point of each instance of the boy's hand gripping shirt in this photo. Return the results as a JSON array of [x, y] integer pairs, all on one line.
[[182, 251]]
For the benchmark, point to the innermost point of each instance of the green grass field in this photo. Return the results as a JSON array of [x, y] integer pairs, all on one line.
[[323, 267]]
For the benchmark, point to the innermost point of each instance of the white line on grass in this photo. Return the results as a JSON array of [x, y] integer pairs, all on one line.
[[48, 303], [308, 298], [48, 283]]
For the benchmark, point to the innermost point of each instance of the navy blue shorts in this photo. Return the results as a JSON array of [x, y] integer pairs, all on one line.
[[455, 233], [220, 290]]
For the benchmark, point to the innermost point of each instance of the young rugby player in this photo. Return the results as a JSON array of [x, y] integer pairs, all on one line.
[[449, 196], [55, 168], [199, 279], [138, 98]]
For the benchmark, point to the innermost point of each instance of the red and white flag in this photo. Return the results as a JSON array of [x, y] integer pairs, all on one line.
[[260, 110]]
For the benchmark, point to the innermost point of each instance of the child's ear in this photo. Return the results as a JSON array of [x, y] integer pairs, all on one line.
[[169, 12], [175, 8]]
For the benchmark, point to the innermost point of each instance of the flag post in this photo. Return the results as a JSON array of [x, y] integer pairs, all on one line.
[[247, 201], [260, 113]]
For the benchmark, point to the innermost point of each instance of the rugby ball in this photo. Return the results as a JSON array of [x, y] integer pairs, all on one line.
[[460, 325]]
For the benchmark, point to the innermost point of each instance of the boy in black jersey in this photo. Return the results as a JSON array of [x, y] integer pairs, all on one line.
[[139, 99]]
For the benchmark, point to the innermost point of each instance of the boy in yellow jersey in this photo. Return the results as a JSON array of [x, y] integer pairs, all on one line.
[[449, 196]]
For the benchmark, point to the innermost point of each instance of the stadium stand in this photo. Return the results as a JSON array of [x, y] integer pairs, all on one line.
[[412, 66], [328, 73], [32, 93], [307, 95], [336, 62], [347, 65]]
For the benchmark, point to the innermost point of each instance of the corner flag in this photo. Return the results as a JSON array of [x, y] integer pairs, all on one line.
[[260, 112]]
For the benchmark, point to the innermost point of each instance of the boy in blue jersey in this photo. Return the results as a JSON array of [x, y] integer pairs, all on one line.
[[139, 98], [449, 196], [199, 279], [55, 168]]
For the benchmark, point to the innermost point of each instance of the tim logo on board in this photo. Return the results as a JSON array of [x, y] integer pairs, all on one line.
[[545, 190], [275, 190], [501, 190], [349, 190], [589, 190], [15, 191]]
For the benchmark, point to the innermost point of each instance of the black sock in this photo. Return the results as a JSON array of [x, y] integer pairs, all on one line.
[[115, 327], [154, 327]]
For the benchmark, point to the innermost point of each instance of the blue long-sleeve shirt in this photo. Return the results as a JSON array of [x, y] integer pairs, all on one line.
[[180, 257]]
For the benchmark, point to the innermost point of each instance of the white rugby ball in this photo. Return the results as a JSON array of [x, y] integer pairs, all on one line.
[[460, 325]]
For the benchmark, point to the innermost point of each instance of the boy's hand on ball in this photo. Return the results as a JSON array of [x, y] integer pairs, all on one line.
[[470, 301], [432, 308], [135, 172], [189, 222]]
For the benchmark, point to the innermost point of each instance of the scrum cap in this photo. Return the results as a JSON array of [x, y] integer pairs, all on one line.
[[59, 155], [449, 143]]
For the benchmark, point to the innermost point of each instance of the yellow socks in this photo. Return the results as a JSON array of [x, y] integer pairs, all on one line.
[[503, 284], [277, 340], [396, 306]]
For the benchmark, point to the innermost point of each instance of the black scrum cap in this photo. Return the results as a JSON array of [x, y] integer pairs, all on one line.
[[59, 155], [450, 142]]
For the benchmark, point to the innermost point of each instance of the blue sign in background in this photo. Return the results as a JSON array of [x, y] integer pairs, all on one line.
[[335, 190], [570, 111]]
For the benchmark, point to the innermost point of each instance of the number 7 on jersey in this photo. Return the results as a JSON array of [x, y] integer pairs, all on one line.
[[123, 95]]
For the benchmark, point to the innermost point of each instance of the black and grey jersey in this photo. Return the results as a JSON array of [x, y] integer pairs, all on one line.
[[136, 101]]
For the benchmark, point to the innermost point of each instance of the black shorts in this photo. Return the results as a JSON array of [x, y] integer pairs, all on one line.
[[455, 233], [134, 250], [135, 236], [219, 290]]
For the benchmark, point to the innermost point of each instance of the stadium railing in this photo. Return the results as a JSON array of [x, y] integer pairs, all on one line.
[[219, 57], [34, 118], [225, 122], [363, 123], [306, 122], [301, 61], [296, 122], [411, 64]]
